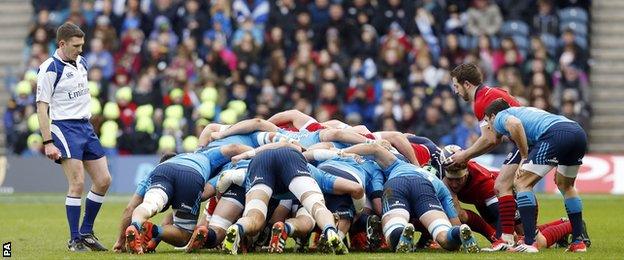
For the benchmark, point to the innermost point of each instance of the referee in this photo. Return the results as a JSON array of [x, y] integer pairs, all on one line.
[[63, 96]]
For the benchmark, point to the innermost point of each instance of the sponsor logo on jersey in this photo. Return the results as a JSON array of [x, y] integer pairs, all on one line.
[[184, 206], [435, 206], [303, 172], [70, 75]]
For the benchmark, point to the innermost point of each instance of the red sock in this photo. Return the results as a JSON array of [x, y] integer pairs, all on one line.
[[507, 212], [478, 224], [549, 224], [556, 232]]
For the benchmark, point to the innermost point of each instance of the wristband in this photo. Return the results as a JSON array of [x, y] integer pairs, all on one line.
[[48, 142]]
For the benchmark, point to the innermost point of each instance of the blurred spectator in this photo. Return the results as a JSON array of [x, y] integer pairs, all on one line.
[[464, 134], [178, 65], [484, 18], [434, 126], [257, 10], [545, 20], [569, 52], [101, 58], [455, 22], [570, 83]]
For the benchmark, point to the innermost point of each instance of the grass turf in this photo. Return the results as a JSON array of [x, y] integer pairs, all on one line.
[[36, 226]]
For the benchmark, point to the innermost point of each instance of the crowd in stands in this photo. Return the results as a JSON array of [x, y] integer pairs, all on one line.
[[160, 70]]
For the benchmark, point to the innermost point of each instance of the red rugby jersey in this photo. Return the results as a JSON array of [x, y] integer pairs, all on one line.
[[479, 187], [486, 95]]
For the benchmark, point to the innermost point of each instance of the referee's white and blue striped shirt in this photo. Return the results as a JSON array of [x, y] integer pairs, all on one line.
[[64, 87]]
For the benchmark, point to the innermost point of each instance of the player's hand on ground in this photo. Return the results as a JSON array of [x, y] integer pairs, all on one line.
[[52, 152]]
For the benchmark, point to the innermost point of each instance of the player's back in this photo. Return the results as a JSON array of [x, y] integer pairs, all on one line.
[[247, 139], [534, 121], [485, 95], [479, 187]]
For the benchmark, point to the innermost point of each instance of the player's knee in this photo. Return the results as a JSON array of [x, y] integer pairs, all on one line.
[[503, 187], [104, 182], [463, 216], [564, 187], [521, 184], [76, 187]]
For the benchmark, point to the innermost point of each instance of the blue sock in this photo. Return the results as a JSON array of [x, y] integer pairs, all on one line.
[[453, 238], [157, 233], [574, 208], [137, 225], [72, 208], [289, 229], [527, 205], [92, 207], [211, 239], [360, 223], [241, 230], [395, 236], [328, 228]]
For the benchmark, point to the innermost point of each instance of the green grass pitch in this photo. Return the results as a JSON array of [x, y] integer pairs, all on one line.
[[36, 226]]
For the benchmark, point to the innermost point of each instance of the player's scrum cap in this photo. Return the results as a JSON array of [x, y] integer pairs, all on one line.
[[452, 172]]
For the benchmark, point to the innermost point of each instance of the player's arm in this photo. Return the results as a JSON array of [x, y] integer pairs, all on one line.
[[449, 207], [245, 127], [517, 135], [232, 150], [343, 136], [249, 153], [485, 143], [126, 217], [335, 123], [382, 156], [401, 143], [295, 117], [461, 213], [205, 136], [45, 88]]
